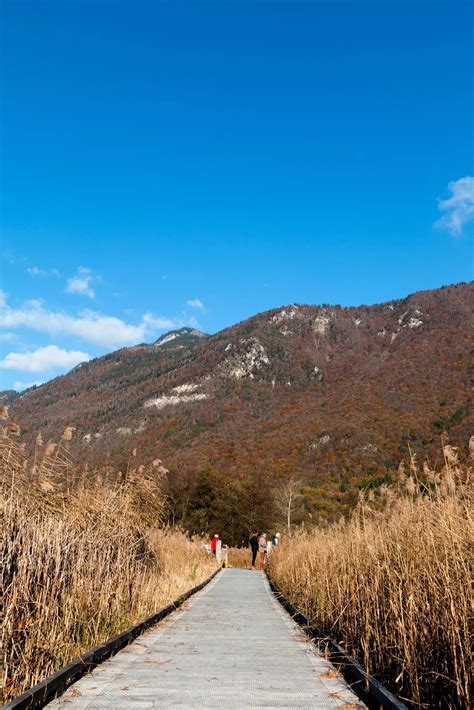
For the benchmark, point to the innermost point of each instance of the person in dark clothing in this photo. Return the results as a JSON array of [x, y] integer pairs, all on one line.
[[253, 542]]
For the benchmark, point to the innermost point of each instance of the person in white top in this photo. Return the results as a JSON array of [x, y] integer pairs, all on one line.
[[262, 548]]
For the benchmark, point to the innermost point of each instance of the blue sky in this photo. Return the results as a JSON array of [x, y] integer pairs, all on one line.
[[171, 163]]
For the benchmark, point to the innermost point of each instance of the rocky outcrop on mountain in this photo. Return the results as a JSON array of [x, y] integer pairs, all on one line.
[[181, 338], [332, 394]]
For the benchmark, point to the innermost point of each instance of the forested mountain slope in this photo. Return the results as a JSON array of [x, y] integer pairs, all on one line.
[[328, 394]]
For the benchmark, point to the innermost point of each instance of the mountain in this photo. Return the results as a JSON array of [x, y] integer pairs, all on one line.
[[181, 338], [330, 394], [7, 396]]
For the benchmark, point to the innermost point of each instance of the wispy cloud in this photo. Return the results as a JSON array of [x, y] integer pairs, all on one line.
[[152, 323], [459, 208], [8, 337], [195, 303], [90, 326], [44, 359], [81, 283], [35, 271]]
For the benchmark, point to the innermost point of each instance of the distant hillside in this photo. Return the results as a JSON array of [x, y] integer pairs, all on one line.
[[334, 395], [182, 338], [7, 396]]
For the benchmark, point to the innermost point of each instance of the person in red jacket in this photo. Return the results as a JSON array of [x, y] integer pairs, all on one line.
[[214, 544]]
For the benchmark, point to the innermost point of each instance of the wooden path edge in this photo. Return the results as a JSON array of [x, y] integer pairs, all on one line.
[[366, 687], [50, 688]]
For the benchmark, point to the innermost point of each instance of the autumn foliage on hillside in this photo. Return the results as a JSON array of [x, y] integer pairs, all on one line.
[[333, 397]]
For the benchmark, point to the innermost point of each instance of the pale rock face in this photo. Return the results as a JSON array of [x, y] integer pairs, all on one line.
[[322, 441], [128, 431], [413, 321], [393, 336], [167, 339], [357, 321], [382, 332], [88, 437], [247, 363], [286, 331], [321, 324], [181, 394], [229, 347], [175, 399], [284, 314], [188, 387], [197, 333]]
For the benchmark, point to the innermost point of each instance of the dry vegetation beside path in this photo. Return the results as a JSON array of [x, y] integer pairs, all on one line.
[[82, 556], [394, 584], [240, 557]]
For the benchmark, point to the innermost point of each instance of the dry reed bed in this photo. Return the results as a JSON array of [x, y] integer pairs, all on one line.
[[240, 557], [82, 556], [393, 583]]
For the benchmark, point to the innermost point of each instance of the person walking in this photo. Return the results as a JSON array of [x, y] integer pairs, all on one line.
[[253, 542], [214, 544], [262, 549]]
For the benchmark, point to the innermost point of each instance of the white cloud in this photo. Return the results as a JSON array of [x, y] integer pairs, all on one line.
[[151, 323], [35, 271], [459, 208], [81, 283], [43, 359], [20, 386], [195, 303], [90, 326]]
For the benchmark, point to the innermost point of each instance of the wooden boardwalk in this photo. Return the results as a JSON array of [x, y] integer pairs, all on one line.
[[231, 646]]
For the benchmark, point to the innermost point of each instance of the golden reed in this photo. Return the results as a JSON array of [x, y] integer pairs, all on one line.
[[84, 555], [393, 583]]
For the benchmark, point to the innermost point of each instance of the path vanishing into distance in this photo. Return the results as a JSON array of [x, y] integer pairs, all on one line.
[[230, 646]]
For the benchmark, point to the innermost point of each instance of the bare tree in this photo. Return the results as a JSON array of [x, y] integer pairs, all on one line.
[[287, 494]]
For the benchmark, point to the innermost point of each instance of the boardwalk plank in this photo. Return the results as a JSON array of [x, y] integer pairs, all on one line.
[[231, 647]]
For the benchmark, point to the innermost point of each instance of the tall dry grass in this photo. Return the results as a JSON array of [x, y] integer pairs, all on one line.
[[83, 555], [240, 557], [393, 583]]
